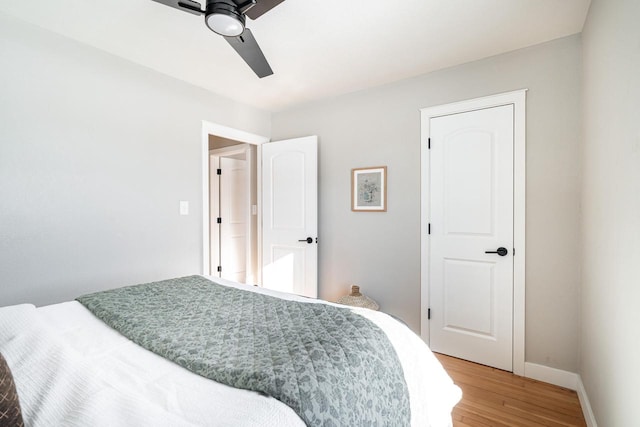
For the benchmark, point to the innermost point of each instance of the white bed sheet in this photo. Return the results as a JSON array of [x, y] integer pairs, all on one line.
[[72, 369]]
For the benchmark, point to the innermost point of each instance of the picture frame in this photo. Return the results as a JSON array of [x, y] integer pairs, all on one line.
[[369, 189]]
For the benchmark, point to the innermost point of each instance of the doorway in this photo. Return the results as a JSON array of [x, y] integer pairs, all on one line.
[[240, 252], [473, 159], [290, 165]]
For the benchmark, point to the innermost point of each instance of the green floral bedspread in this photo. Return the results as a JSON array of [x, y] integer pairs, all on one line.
[[331, 366]]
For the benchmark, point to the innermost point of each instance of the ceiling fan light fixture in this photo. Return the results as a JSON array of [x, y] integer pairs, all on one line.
[[227, 18], [224, 19]]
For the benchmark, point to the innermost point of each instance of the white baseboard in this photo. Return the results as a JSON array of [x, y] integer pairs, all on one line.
[[553, 376], [586, 405], [565, 379]]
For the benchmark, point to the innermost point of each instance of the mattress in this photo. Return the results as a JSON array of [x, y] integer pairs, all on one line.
[[72, 369]]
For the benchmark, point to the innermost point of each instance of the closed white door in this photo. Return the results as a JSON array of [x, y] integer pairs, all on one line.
[[471, 218], [234, 208], [290, 216]]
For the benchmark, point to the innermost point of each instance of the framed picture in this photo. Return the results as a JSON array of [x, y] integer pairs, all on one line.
[[369, 189]]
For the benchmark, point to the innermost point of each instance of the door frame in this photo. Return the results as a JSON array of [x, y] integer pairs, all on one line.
[[518, 100], [209, 128]]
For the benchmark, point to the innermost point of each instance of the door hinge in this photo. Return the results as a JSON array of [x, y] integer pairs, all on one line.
[[429, 143], [219, 221], [219, 269], [428, 313], [219, 171], [429, 229]]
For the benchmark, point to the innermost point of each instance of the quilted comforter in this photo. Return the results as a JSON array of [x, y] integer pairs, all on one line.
[[332, 366]]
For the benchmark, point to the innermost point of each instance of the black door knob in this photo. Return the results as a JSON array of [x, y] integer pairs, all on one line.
[[308, 240], [500, 251]]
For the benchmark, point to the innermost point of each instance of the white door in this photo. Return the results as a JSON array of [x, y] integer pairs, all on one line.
[[234, 208], [471, 216], [213, 214], [290, 216]]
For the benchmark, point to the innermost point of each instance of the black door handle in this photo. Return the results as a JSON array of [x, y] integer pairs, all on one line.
[[308, 240], [500, 251]]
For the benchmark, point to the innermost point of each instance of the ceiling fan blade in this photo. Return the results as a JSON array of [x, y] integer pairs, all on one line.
[[189, 6], [247, 47], [262, 7]]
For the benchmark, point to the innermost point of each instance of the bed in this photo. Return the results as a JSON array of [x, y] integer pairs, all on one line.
[[71, 368]]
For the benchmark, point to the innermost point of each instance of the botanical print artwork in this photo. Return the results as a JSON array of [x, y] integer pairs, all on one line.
[[369, 187]]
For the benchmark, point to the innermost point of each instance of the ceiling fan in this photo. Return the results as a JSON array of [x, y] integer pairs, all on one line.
[[227, 18]]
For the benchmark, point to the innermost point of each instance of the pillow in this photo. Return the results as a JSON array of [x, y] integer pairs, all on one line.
[[10, 413]]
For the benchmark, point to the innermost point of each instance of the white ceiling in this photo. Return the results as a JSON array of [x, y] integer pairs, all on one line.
[[317, 48]]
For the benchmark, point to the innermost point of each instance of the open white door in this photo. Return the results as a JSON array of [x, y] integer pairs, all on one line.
[[290, 216]]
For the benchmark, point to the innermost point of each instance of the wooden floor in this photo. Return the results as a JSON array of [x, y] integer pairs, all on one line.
[[492, 397]]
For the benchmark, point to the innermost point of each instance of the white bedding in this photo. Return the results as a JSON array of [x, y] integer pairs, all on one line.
[[71, 369]]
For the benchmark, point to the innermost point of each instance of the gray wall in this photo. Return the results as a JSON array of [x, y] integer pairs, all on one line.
[[95, 154], [610, 339], [381, 126]]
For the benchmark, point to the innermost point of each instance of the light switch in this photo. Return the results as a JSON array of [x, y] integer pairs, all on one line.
[[184, 207]]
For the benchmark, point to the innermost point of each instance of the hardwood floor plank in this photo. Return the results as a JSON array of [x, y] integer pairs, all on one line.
[[488, 391], [495, 398], [520, 392]]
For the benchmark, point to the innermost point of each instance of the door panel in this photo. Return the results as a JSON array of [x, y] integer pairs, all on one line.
[[468, 170], [286, 266], [469, 309], [288, 191], [471, 198], [290, 214]]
